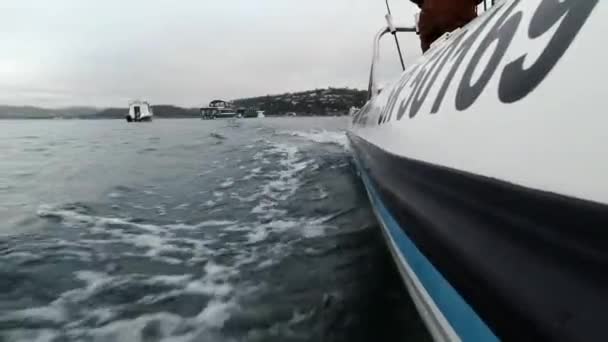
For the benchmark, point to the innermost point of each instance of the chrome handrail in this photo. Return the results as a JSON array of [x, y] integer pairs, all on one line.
[[373, 89]]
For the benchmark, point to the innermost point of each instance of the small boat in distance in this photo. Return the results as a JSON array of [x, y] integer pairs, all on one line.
[[220, 109], [252, 113], [139, 111]]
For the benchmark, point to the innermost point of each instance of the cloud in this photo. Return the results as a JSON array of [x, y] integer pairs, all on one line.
[[72, 52]]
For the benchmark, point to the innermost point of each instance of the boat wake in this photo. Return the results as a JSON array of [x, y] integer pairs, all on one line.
[[267, 240], [131, 279], [323, 137]]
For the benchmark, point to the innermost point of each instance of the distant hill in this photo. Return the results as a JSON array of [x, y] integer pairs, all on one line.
[[330, 101], [29, 112]]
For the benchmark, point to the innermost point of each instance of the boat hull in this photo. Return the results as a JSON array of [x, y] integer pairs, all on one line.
[[484, 251], [141, 119], [220, 116], [487, 178]]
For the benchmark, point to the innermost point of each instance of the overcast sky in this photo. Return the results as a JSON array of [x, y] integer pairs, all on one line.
[[187, 52]]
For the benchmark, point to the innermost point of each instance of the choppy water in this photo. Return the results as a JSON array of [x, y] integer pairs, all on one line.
[[190, 230]]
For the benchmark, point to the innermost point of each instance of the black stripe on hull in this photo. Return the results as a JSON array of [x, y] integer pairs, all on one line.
[[533, 264], [144, 119]]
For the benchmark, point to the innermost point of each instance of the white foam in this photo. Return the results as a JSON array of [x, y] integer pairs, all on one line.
[[182, 206], [75, 255], [102, 314], [170, 279], [280, 328], [24, 255], [299, 317], [247, 258], [181, 226], [266, 210], [322, 194], [306, 227], [170, 327], [237, 228], [92, 279], [312, 228], [258, 156], [324, 137], [215, 288], [247, 199], [283, 225], [227, 183], [216, 313], [257, 235], [267, 263], [38, 335], [57, 311], [131, 330], [50, 313], [220, 280], [165, 259], [209, 203], [154, 240], [161, 210], [210, 223], [256, 171], [209, 288], [212, 268], [283, 183]]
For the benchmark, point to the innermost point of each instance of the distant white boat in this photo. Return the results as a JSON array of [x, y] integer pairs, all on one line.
[[139, 111], [261, 114]]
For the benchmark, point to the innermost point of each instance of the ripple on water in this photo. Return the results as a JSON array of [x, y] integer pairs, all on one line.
[[258, 262], [24, 174], [36, 149], [227, 183], [6, 187], [323, 137], [147, 150]]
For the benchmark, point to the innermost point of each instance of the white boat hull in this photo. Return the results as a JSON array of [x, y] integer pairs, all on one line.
[[484, 163]]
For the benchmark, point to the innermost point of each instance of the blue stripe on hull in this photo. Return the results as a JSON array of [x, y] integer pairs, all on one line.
[[459, 314]]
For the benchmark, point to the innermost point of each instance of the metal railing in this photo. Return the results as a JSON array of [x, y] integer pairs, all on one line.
[[373, 89]]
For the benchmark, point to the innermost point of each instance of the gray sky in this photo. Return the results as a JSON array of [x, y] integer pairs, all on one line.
[[186, 52]]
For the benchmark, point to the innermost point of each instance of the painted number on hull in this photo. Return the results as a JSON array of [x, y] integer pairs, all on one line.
[[516, 81]]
